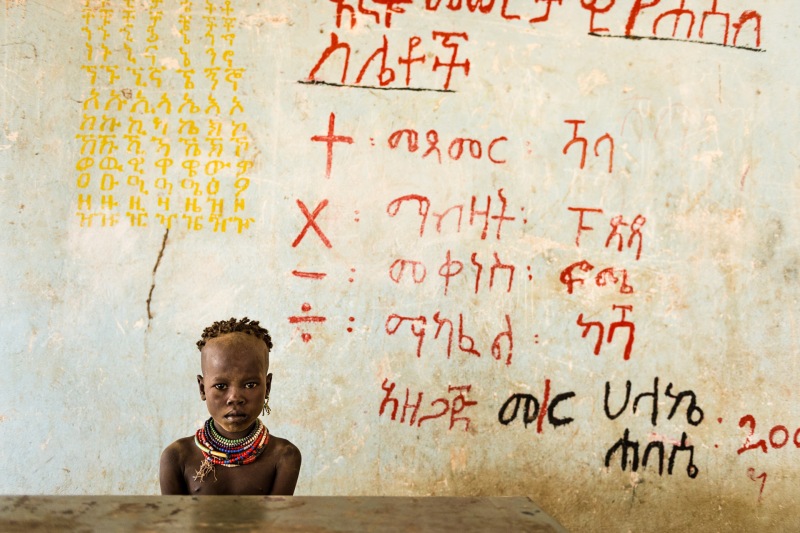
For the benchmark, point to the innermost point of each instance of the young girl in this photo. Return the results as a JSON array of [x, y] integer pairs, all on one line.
[[233, 453]]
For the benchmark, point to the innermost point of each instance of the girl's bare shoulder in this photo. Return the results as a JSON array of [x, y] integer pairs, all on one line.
[[180, 451], [284, 451]]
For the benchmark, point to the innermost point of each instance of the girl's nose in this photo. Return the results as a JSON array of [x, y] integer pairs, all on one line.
[[235, 397]]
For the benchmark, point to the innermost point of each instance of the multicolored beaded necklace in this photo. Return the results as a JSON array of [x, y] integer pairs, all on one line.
[[218, 450]]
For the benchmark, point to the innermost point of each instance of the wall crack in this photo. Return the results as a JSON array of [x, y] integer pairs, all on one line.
[[153, 283]]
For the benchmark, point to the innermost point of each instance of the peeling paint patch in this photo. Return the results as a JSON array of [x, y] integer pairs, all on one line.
[[458, 459], [257, 20], [12, 138], [170, 63], [592, 81]]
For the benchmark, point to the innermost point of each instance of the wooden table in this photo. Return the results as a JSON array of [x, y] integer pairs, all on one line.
[[223, 514]]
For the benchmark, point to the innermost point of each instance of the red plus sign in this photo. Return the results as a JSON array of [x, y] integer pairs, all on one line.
[[329, 139]]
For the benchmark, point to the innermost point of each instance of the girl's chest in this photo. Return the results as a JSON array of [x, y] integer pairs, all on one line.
[[256, 478]]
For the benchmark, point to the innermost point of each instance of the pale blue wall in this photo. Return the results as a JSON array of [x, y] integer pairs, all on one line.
[[705, 142]]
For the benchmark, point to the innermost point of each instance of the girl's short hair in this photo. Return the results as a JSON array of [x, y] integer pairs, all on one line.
[[245, 325]]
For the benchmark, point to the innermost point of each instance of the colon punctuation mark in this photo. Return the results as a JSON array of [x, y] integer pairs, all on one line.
[[329, 139], [311, 223]]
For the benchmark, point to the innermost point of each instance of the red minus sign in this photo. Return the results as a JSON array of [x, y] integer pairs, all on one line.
[[309, 275]]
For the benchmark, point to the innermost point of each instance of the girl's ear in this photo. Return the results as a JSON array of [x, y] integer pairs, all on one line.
[[269, 385], [202, 387]]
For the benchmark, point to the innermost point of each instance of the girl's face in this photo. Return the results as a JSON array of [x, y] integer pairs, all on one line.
[[234, 381]]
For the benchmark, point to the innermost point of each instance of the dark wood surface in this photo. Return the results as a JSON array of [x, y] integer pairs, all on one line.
[[271, 513]]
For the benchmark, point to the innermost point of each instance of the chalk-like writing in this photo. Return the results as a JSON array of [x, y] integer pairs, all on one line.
[[615, 238], [453, 216], [694, 414], [460, 147], [178, 133], [311, 223], [629, 450], [330, 138], [532, 410], [751, 473], [606, 276], [434, 61], [443, 46], [501, 349], [454, 404], [494, 271], [582, 143], [629, 454], [622, 323], [778, 437], [306, 318], [672, 19], [621, 233]]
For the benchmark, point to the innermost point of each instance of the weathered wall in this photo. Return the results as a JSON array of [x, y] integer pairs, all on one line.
[[167, 164]]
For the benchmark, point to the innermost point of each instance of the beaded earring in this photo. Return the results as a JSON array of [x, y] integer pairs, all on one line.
[[266, 410]]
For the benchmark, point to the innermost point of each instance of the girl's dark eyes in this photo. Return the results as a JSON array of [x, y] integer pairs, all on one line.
[[223, 386]]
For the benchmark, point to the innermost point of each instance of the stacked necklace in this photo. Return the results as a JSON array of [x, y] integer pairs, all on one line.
[[219, 450]]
